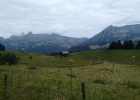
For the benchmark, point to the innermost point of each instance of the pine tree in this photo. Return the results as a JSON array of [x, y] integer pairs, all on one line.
[[112, 46], [119, 45], [131, 45], [0, 58], [125, 44], [138, 45], [128, 44], [2, 47]]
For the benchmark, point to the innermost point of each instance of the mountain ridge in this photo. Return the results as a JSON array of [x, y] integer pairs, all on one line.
[[41, 43], [48, 43], [114, 33], [109, 34]]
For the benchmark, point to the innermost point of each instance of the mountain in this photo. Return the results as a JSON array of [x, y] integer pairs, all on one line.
[[41, 43], [48, 43], [113, 33], [109, 34]]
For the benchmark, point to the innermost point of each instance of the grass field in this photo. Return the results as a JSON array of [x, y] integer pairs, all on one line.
[[111, 75]]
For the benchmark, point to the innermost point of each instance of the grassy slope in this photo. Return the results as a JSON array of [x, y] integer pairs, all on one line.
[[103, 81], [82, 58], [116, 56]]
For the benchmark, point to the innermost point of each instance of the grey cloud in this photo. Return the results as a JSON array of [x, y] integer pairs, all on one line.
[[77, 18], [57, 28]]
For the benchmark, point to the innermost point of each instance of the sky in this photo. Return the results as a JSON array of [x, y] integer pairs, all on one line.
[[73, 18]]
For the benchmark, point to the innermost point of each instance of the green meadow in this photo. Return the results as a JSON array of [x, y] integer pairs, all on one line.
[[107, 75]]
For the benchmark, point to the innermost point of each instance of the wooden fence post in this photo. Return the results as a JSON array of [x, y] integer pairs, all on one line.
[[83, 92], [5, 81]]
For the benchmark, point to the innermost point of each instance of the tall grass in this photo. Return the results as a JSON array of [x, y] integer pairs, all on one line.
[[114, 77], [49, 83]]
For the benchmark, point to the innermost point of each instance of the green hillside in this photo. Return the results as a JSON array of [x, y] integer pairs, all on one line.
[[112, 56], [82, 58]]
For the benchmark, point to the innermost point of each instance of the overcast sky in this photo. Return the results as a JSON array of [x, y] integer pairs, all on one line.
[[74, 18]]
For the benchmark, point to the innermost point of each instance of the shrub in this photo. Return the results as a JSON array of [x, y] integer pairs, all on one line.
[[30, 57], [9, 58]]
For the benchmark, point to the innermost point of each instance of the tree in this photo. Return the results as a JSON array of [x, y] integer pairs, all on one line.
[[138, 45], [131, 45], [112, 46], [2, 47], [0, 58], [128, 44], [119, 45], [125, 45]]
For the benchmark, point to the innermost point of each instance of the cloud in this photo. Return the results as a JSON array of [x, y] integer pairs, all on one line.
[[57, 28], [76, 18]]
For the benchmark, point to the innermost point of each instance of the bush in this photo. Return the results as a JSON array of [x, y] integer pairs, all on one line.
[[30, 57], [9, 58]]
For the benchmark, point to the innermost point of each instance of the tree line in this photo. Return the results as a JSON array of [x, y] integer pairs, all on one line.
[[127, 44]]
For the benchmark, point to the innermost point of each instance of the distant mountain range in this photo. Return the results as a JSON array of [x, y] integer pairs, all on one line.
[[48, 43], [112, 33], [109, 34], [41, 43]]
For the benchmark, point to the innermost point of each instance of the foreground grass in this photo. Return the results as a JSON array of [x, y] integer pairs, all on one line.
[[106, 81], [111, 75]]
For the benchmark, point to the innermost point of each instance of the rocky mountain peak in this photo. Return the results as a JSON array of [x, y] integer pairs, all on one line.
[[113, 33], [29, 33]]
